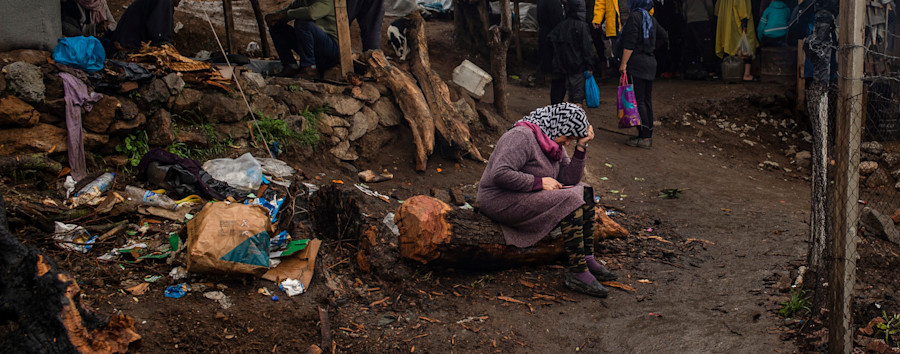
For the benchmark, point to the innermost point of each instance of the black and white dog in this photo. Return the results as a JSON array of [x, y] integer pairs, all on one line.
[[397, 37]]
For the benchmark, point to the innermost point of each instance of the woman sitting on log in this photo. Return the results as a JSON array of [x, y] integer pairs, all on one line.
[[530, 186]]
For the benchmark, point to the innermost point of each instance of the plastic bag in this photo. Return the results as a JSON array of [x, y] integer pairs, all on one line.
[[85, 53], [243, 173], [591, 91], [626, 104], [744, 49]]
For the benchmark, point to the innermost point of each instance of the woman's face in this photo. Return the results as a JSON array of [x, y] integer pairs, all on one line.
[[563, 140]]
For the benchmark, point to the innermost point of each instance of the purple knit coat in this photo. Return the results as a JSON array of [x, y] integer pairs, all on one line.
[[510, 191]]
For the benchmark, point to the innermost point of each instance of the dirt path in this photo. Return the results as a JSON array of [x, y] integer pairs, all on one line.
[[718, 302]]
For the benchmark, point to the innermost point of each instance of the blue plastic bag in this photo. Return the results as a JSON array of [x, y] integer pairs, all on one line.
[[591, 91], [85, 53]]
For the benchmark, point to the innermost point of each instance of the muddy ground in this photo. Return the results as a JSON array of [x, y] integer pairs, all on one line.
[[704, 266]]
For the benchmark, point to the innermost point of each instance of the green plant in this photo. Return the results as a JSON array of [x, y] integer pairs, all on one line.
[[889, 328], [134, 95], [134, 147], [278, 130], [799, 303], [294, 88]]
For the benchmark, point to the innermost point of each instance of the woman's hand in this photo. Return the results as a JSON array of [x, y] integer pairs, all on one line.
[[550, 183], [590, 136]]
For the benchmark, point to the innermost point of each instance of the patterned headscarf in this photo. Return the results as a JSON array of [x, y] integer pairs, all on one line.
[[551, 122], [561, 119], [96, 8]]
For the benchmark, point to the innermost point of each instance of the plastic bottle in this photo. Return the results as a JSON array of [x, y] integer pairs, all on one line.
[[99, 185], [146, 197]]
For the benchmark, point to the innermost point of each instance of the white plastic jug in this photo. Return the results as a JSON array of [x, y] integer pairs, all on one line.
[[470, 77]]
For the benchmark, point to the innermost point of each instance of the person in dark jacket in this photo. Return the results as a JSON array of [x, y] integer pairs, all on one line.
[[146, 21], [313, 37], [641, 35], [573, 51], [549, 14]]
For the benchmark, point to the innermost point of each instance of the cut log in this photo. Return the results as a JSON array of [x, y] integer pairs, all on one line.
[[45, 306], [412, 104], [36, 162], [447, 120], [433, 232]]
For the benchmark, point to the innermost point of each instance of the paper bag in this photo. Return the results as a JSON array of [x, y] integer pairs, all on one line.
[[229, 238], [297, 266]]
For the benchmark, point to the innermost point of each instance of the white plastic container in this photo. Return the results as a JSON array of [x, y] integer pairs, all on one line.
[[470, 77]]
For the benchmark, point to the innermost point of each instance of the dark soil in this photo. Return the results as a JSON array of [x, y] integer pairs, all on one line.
[[703, 266]]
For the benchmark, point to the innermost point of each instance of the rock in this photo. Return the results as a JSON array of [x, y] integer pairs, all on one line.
[[38, 139], [371, 118], [468, 113], [116, 160], [343, 105], [159, 129], [457, 196], [153, 95], [26, 81], [175, 83], [803, 159], [16, 112], [265, 107], [879, 346], [128, 109], [122, 127], [255, 81], [867, 167], [387, 111], [102, 115], [188, 99], [750, 143], [358, 127], [50, 118], [879, 225], [872, 147], [327, 123], [769, 164], [890, 159], [878, 178], [232, 130], [365, 92], [2, 83], [382, 89], [217, 107], [30, 56], [344, 152], [348, 167], [94, 142], [295, 122], [372, 143], [441, 194], [192, 136], [341, 133]]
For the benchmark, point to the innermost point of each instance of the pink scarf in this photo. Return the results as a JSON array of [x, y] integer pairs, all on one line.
[[548, 146], [96, 8]]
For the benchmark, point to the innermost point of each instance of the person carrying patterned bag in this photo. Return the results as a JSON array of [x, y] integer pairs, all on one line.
[[530, 186]]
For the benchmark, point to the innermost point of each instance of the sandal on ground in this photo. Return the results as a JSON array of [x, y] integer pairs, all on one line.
[[593, 289]]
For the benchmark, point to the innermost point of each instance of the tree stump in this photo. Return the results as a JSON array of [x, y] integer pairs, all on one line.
[[45, 306]]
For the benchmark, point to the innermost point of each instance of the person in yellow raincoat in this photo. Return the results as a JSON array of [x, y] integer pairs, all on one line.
[[735, 18]]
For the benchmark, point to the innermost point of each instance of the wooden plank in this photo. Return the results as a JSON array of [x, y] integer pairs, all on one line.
[[516, 27], [229, 26], [801, 81], [848, 133], [261, 24], [343, 32]]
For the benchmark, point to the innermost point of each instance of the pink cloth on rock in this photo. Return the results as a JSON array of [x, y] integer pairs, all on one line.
[[77, 96]]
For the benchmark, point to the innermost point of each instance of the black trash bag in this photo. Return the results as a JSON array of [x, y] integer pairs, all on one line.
[[116, 72], [184, 177]]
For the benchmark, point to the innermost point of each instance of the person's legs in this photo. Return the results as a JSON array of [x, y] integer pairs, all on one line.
[[316, 48], [369, 14], [557, 88], [285, 42], [575, 87], [642, 96], [578, 276]]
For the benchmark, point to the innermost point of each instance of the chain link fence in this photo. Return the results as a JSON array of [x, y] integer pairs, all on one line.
[[853, 102]]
